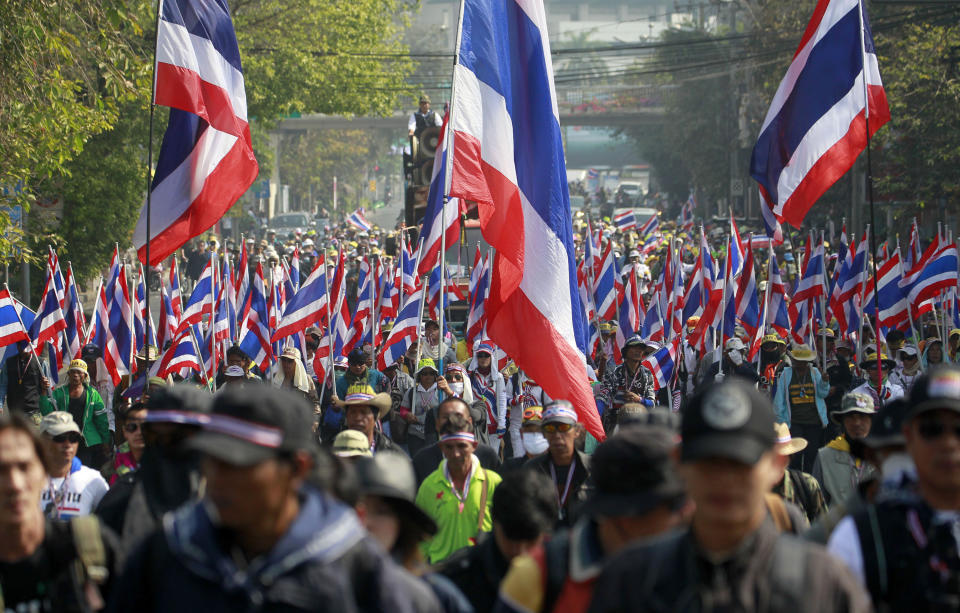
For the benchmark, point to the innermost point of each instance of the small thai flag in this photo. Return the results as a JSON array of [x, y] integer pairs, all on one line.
[[625, 221]]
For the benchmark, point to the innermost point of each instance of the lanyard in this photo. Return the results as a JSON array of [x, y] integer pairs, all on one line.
[[461, 499], [562, 500]]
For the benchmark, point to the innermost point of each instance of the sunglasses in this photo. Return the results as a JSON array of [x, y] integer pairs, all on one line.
[[532, 414], [69, 437], [132, 426], [930, 430], [455, 377], [551, 428]]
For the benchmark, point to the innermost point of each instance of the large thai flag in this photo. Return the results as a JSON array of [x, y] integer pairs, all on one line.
[[358, 220], [625, 221], [507, 155], [206, 161], [816, 125]]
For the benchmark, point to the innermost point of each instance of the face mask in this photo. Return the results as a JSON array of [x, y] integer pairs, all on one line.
[[535, 443], [457, 387], [736, 357]]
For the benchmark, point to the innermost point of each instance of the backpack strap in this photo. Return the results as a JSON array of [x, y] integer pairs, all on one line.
[[88, 540], [778, 511], [803, 491]]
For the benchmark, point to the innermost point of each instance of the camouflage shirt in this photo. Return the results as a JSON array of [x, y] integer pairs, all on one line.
[[810, 499], [619, 380]]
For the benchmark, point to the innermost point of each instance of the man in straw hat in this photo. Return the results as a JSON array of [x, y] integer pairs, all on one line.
[[84, 403], [840, 466], [795, 486], [887, 391], [800, 402], [363, 410]]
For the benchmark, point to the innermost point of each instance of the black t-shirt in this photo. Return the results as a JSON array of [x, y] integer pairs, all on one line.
[[43, 581], [23, 384], [76, 407]]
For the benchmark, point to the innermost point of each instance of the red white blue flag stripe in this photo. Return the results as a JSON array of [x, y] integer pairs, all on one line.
[[507, 155], [206, 161], [816, 125]]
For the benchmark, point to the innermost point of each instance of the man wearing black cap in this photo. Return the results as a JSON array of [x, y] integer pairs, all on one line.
[[262, 537], [732, 556], [629, 382], [904, 546], [637, 495]]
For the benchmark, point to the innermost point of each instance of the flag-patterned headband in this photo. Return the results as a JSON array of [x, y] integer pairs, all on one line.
[[459, 436]]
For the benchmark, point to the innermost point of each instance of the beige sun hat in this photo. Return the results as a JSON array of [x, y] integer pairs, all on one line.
[[786, 443]]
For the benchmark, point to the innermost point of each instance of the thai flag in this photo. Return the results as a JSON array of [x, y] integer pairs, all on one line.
[[591, 253], [121, 319], [932, 275], [389, 293], [686, 214], [777, 315], [650, 228], [433, 293], [181, 357], [841, 272], [770, 222], [359, 221], [700, 286], [12, 329], [294, 269], [761, 242], [255, 334], [168, 319], [590, 330], [408, 264], [748, 307], [229, 297], [605, 290], [76, 324], [676, 297], [55, 277], [363, 310], [506, 154], [892, 298], [141, 316], [340, 310], [811, 283], [100, 336], [661, 364], [816, 125], [308, 307], [439, 215], [479, 285], [629, 319], [242, 282], [406, 329], [201, 298], [625, 221], [653, 321], [206, 161], [176, 301]]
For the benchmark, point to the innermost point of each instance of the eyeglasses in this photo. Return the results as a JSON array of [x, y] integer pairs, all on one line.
[[930, 430], [532, 414], [69, 437], [551, 428], [132, 426]]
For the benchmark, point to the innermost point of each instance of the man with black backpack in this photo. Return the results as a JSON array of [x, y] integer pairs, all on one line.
[[903, 547], [46, 564], [732, 557]]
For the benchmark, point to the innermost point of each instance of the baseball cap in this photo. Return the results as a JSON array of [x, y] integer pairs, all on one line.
[[484, 348], [729, 419], [937, 389], [887, 426], [313, 331], [247, 426], [356, 356], [351, 444], [57, 423], [633, 473], [559, 412]]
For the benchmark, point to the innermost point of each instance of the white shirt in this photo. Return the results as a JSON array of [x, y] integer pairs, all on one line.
[[80, 495]]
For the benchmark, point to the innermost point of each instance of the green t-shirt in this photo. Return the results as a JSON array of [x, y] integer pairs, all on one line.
[[456, 528]]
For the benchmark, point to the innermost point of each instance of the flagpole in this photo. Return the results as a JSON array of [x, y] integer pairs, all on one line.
[[330, 371], [153, 97]]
